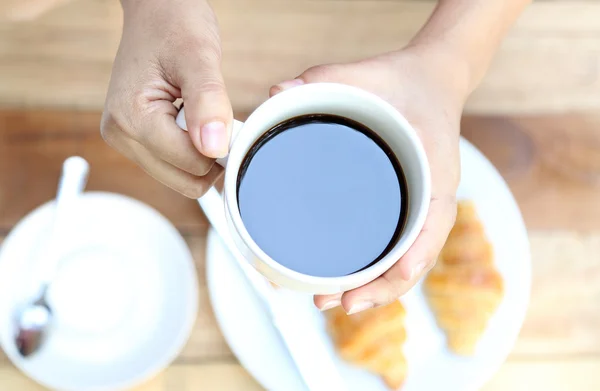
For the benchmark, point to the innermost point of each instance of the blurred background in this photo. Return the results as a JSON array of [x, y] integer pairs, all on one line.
[[536, 116]]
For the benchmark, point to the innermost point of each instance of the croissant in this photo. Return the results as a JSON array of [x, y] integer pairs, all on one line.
[[372, 340], [464, 288]]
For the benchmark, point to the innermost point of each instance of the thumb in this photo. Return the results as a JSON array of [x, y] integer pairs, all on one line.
[[208, 112]]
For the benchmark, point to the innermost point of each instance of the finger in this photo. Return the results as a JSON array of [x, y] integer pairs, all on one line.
[[327, 302], [208, 112], [322, 73], [159, 133], [181, 181], [419, 259], [285, 85], [151, 122]]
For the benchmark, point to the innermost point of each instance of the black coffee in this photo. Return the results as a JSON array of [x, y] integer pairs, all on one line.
[[322, 195]]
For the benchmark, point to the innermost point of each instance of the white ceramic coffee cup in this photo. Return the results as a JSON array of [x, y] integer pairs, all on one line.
[[349, 102]]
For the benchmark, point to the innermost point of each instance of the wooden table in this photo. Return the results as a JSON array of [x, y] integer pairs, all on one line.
[[549, 64], [559, 346]]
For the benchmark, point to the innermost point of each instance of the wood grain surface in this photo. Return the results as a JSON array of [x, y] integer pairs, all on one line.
[[26, 10], [549, 62], [517, 145], [559, 346], [536, 116]]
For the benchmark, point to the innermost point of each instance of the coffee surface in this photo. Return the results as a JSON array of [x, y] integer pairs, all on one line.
[[322, 195]]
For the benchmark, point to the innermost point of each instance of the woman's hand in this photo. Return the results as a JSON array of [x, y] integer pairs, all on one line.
[[169, 50], [425, 85]]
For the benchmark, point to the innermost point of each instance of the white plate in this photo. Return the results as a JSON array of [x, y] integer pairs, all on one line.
[[125, 296], [431, 367]]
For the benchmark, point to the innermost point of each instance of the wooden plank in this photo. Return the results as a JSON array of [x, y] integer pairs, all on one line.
[[34, 143], [24, 10], [33, 147], [563, 317], [12, 379], [548, 375], [549, 62], [209, 376], [551, 163], [206, 341], [562, 321], [218, 376], [560, 375]]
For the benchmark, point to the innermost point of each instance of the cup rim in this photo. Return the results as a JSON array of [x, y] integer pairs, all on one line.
[[407, 238]]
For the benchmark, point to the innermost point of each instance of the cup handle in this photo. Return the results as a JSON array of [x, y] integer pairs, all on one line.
[[237, 126]]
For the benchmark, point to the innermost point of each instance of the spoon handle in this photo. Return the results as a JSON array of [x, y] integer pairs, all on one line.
[[72, 182]]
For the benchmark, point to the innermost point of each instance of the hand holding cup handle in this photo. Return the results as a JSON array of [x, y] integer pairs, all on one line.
[[237, 126]]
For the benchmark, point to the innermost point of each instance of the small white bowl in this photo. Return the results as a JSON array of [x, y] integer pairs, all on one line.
[[125, 296]]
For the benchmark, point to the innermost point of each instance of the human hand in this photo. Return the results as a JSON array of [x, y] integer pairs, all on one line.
[[421, 84], [169, 50]]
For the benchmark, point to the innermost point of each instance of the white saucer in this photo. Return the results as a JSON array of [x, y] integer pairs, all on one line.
[[125, 297], [431, 367]]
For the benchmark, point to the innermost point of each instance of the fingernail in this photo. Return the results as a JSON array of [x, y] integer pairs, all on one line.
[[360, 306], [331, 304], [284, 85], [417, 270], [213, 136]]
